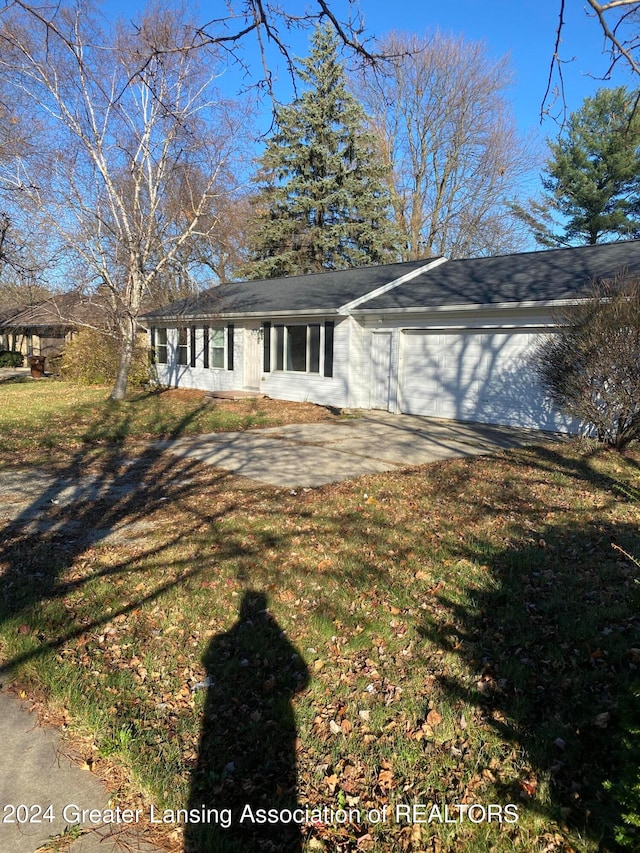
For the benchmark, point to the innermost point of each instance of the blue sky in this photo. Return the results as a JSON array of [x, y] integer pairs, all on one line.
[[525, 29]]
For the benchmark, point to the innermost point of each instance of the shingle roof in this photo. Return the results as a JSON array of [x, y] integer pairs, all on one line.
[[546, 276], [62, 310], [318, 292]]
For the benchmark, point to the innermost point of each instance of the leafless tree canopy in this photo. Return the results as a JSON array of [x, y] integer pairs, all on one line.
[[134, 164], [136, 144], [445, 130]]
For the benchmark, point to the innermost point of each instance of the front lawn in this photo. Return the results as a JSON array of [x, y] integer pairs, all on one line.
[[454, 647], [59, 418]]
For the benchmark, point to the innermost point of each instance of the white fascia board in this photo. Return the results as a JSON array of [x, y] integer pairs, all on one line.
[[480, 327], [488, 306], [348, 307], [244, 315]]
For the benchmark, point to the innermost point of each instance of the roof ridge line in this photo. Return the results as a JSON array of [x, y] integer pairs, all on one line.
[[390, 285]]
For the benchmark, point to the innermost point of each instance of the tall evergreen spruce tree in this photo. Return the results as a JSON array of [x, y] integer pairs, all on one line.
[[322, 203]]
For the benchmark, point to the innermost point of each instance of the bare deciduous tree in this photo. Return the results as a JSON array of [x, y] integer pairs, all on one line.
[[129, 116], [446, 132], [124, 115]]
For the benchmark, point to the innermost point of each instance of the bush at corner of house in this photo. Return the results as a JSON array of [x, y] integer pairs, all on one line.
[[590, 367], [11, 358], [91, 358]]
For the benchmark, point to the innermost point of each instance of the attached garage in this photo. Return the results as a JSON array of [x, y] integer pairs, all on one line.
[[472, 375]]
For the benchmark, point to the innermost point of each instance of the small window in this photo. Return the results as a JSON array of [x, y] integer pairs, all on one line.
[[216, 336], [183, 346], [161, 346]]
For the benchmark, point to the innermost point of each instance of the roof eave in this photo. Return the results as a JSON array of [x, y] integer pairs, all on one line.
[[238, 315], [475, 306]]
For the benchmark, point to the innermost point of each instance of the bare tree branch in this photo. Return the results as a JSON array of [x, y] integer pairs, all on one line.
[[619, 47], [137, 142], [619, 22]]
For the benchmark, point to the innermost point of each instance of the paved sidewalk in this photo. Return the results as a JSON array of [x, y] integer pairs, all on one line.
[[42, 790], [8, 373]]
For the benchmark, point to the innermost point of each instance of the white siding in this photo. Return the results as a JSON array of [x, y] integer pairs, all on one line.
[[314, 387], [176, 375], [472, 365], [466, 365]]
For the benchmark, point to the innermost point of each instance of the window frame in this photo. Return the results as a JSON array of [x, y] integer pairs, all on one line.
[[182, 346], [161, 345], [283, 356], [223, 347]]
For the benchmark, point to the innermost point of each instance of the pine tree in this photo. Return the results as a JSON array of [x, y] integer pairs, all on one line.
[[593, 176], [322, 203]]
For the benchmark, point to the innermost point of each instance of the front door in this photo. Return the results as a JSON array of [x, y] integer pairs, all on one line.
[[252, 358]]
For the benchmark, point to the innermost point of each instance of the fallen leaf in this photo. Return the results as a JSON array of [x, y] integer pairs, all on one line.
[[433, 718], [385, 779], [529, 786], [331, 782]]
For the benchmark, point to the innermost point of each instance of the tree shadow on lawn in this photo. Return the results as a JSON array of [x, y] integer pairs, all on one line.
[[551, 643], [93, 497]]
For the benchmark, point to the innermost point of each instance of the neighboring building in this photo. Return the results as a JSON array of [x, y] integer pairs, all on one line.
[[449, 339], [45, 327]]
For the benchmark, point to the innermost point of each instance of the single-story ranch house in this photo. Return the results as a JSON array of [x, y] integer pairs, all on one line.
[[448, 339]]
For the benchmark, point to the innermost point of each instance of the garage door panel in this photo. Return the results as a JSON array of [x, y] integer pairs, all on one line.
[[475, 375]]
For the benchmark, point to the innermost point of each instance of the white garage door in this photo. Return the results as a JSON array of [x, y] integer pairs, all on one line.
[[473, 376]]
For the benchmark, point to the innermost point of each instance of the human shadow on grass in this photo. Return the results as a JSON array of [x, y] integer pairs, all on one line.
[[244, 786], [550, 648]]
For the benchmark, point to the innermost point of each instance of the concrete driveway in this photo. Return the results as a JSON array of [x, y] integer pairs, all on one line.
[[306, 455]]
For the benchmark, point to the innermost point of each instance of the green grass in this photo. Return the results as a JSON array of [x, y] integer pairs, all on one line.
[[55, 417], [467, 637]]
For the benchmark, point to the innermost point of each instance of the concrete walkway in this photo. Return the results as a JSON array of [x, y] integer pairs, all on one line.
[[369, 443], [37, 774], [9, 373]]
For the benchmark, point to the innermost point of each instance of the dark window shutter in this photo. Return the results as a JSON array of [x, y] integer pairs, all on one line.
[[153, 337], [205, 346], [230, 346], [267, 347], [328, 347], [192, 335]]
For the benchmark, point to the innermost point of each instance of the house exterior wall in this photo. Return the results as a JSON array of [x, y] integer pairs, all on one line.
[[203, 378], [315, 387], [466, 365], [280, 384], [20, 340]]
